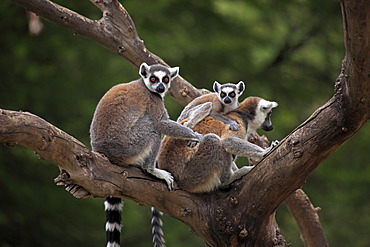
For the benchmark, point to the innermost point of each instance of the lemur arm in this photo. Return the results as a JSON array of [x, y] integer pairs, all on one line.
[[171, 128], [220, 117]]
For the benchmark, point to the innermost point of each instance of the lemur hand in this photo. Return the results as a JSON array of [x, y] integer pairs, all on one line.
[[233, 125]]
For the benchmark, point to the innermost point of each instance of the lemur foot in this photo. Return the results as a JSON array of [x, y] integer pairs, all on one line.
[[162, 174], [247, 168], [273, 144]]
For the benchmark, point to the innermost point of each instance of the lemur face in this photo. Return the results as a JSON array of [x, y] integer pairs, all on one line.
[[263, 113], [157, 78], [228, 93]]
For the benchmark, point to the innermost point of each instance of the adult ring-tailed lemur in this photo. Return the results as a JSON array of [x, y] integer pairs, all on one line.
[[127, 128]]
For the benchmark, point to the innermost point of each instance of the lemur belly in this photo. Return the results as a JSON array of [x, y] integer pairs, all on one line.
[[140, 158]]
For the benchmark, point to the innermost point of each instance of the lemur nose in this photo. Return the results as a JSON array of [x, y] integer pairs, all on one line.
[[267, 127], [227, 100], [160, 88]]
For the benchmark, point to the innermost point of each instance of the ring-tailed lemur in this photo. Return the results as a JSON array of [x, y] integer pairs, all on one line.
[[210, 164], [217, 104], [127, 127]]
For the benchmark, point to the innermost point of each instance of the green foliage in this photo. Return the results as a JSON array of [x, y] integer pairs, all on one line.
[[287, 51]]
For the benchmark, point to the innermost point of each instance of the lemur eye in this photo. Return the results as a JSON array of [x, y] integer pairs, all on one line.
[[166, 79], [153, 79], [223, 95], [232, 94]]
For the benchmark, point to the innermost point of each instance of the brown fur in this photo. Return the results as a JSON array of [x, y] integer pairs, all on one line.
[[208, 165], [115, 117], [241, 115], [211, 97]]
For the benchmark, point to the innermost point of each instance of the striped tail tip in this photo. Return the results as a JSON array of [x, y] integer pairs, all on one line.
[[157, 232]]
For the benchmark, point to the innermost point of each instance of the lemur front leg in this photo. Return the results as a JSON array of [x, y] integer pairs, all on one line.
[[174, 129], [231, 123]]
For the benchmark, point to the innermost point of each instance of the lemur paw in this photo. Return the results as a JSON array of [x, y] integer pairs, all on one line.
[[168, 178], [192, 144], [162, 174], [274, 143], [233, 126]]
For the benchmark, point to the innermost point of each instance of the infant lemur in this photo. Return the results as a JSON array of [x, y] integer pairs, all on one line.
[[217, 104], [210, 164], [127, 127]]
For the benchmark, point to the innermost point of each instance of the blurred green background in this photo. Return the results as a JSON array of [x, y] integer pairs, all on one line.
[[287, 51]]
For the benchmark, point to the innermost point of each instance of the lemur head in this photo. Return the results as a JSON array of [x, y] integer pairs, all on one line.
[[262, 115], [157, 77], [228, 93]]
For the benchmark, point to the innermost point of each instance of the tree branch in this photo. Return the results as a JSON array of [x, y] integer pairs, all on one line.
[[307, 218], [115, 31], [95, 175]]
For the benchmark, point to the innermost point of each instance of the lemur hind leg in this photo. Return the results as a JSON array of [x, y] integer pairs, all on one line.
[[197, 114], [234, 174], [244, 148], [151, 167]]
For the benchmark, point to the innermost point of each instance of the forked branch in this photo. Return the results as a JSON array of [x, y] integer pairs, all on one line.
[[235, 218]]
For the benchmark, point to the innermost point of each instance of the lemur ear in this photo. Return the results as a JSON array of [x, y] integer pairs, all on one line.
[[216, 86], [174, 71], [268, 105], [144, 70], [241, 87], [274, 104]]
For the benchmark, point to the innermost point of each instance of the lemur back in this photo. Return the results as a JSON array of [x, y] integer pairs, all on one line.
[[209, 165], [127, 127], [224, 100], [119, 120]]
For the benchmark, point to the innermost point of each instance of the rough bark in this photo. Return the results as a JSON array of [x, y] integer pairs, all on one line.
[[242, 215]]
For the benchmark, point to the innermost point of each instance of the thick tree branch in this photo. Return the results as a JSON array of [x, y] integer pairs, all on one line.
[[91, 171]]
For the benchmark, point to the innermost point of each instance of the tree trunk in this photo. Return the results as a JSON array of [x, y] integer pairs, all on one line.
[[244, 215]]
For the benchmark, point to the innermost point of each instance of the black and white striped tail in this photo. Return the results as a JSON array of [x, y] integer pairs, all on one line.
[[113, 209], [157, 232]]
